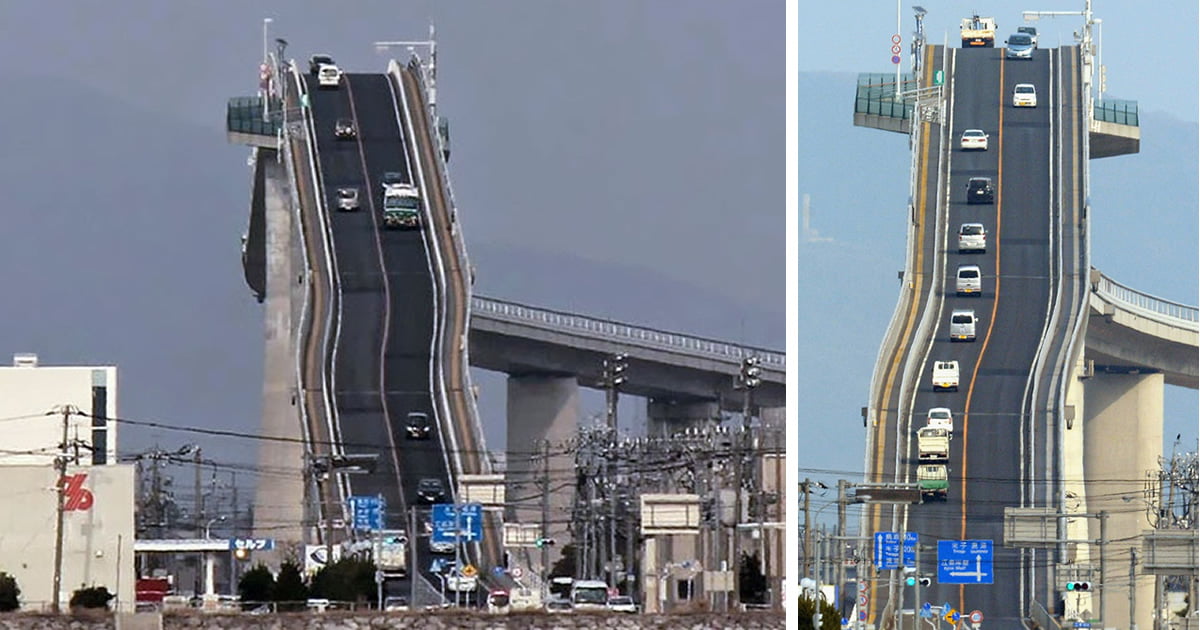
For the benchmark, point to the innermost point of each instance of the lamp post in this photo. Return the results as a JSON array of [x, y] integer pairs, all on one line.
[[209, 565], [431, 43]]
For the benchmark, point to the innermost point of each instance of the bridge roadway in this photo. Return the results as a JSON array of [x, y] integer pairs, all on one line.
[[382, 368], [990, 459]]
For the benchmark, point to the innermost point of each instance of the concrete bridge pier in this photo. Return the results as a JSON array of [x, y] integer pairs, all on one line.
[[543, 415], [1122, 437], [280, 498]]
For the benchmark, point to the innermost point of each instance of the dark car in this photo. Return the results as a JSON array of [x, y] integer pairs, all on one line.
[[417, 426], [316, 61], [344, 128], [979, 190], [431, 490], [391, 178]]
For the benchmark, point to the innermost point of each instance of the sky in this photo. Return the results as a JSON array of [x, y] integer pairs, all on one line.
[[627, 143], [1150, 246]]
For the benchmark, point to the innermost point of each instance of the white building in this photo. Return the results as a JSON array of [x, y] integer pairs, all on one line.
[[32, 399]]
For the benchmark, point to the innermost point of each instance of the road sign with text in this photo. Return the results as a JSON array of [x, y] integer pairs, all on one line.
[[965, 562]]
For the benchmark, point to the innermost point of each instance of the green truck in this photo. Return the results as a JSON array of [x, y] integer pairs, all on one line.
[[933, 481], [401, 206]]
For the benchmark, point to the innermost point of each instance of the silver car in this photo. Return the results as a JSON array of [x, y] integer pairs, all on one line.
[[347, 199]]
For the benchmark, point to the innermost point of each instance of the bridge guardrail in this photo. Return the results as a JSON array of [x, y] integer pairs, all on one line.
[[1154, 307], [1116, 111], [601, 328], [876, 95]]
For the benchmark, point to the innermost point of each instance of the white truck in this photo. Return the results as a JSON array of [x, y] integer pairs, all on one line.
[[978, 32], [933, 445], [391, 552], [945, 375]]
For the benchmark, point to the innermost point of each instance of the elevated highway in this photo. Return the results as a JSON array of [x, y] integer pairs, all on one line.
[[1039, 342], [373, 324]]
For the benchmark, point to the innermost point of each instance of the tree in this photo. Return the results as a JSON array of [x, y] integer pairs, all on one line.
[[10, 593], [565, 565], [753, 584], [290, 590], [91, 597], [829, 614], [257, 585], [347, 580]]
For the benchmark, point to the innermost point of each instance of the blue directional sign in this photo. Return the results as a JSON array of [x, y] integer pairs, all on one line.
[[909, 556], [965, 562], [367, 511], [454, 523], [1081, 624], [887, 550]]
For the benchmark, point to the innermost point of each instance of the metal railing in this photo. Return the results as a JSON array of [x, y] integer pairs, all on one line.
[[615, 331], [243, 114], [876, 95], [1116, 111], [1174, 313]]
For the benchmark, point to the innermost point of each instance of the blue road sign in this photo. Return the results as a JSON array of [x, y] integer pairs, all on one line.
[[887, 550], [910, 549], [925, 613], [1081, 624], [926, 606], [437, 565], [965, 562], [454, 523], [367, 511]]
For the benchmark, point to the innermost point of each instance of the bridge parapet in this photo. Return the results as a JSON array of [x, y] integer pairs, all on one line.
[[634, 335], [1146, 305]]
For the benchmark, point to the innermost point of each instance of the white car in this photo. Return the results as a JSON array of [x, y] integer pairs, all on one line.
[[622, 603], [974, 139], [1024, 95], [972, 237], [329, 75], [940, 418], [347, 199]]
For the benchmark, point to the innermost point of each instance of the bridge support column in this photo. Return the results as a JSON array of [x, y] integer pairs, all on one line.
[[1123, 426], [543, 414], [280, 499]]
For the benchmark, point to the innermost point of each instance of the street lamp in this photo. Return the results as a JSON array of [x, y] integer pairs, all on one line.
[[208, 526], [209, 565]]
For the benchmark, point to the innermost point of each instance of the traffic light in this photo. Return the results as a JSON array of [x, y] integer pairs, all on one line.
[[1079, 586], [751, 373], [910, 576], [545, 542], [925, 581]]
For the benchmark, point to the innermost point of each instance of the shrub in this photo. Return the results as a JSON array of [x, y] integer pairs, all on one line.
[[91, 597], [10, 593]]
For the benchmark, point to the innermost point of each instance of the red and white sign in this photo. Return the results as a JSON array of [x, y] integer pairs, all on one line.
[[976, 616], [75, 496]]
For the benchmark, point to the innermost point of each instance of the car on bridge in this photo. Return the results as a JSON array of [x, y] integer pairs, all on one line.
[[1024, 95], [316, 61], [962, 325], [344, 129], [417, 426], [431, 490], [1020, 46], [346, 198], [972, 237], [1031, 31], [945, 375], [967, 280], [980, 190], [973, 139], [393, 178], [940, 418], [329, 75]]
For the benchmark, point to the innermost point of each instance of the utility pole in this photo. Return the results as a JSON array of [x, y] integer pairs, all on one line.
[[545, 483], [198, 502], [841, 538], [1132, 586], [1103, 543], [60, 464], [747, 379], [807, 528]]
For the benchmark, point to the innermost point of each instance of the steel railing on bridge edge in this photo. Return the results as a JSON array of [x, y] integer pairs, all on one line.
[[611, 330], [1153, 307]]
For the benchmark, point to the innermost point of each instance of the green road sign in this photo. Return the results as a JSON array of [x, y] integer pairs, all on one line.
[[938, 77]]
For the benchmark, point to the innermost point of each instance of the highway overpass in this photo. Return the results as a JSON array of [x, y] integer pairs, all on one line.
[[1061, 391]]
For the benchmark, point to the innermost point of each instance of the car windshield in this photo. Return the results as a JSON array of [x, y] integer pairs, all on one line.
[[397, 202], [1020, 40], [619, 601], [939, 414], [1024, 89], [971, 230], [957, 319]]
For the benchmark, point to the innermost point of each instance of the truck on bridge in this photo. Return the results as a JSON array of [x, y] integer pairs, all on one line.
[[401, 206], [978, 32], [945, 375], [391, 552], [933, 480], [933, 445]]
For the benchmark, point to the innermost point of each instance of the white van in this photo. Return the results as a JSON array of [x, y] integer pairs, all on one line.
[[962, 325], [972, 237], [967, 280]]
